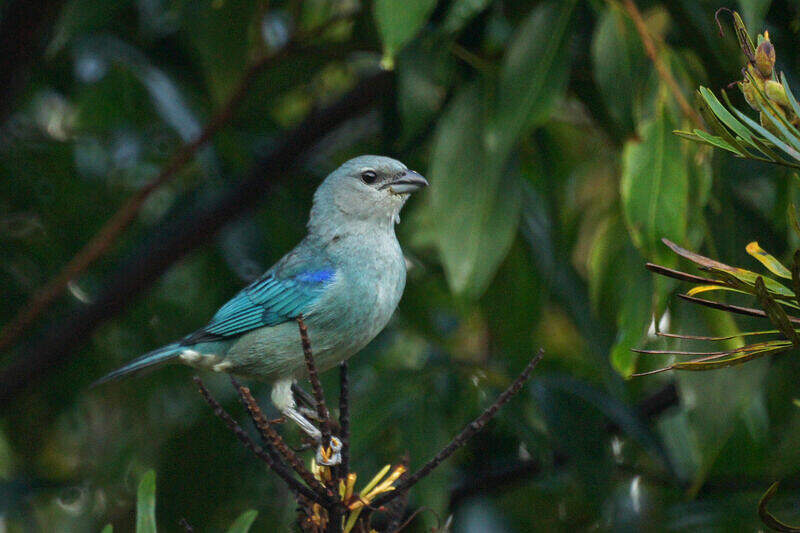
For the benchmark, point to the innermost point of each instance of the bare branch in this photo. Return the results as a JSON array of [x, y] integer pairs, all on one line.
[[467, 433], [661, 68], [271, 437], [280, 469], [344, 417], [316, 386]]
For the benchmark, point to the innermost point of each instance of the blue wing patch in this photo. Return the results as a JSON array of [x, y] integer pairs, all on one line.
[[267, 302]]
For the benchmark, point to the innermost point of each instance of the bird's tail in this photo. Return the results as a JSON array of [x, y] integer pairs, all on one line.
[[148, 360]]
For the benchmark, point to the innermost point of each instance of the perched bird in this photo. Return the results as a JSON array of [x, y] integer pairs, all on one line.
[[345, 278]]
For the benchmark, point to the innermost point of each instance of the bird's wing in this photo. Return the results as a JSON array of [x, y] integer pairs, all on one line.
[[282, 294]]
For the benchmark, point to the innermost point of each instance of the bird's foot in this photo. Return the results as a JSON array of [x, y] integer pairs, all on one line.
[[331, 456], [279, 420], [309, 413]]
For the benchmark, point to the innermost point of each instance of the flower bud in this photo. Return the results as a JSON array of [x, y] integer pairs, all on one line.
[[776, 92], [749, 93], [765, 57]]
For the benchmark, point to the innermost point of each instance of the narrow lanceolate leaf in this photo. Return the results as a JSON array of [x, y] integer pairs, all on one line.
[[768, 518], [745, 276], [619, 65], [399, 22], [534, 73], [775, 313], [474, 209], [655, 186], [766, 259], [146, 503], [243, 523]]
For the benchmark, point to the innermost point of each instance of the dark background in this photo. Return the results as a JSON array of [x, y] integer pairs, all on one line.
[[542, 127]]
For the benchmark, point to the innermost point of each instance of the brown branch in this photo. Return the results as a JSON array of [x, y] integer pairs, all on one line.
[[683, 276], [110, 232], [747, 311], [276, 466], [178, 237], [344, 417], [271, 437], [661, 68], [467, 433], [316, 386]]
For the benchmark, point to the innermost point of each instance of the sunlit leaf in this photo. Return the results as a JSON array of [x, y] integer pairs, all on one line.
[[741, 274], [706, 288], [475, 202], [146, 503], [772, 264], [243, 522]]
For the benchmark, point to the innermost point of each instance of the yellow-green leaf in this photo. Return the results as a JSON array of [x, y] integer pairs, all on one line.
[[146, 503], [772, 264]]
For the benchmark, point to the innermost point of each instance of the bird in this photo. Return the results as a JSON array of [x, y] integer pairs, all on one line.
[[345, 279]]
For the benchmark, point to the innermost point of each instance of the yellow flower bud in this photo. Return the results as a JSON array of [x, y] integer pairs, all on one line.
[[765, 58], [776, 92], [749, 93]]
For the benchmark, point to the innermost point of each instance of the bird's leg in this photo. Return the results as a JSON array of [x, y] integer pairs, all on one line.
[[283, 399], [307, 404]]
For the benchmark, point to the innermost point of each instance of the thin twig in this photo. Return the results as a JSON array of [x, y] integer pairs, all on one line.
[[747, 311], [467, 433], [316, 386], [280, 469], [109, 233], [271, 437], [663, 70], [344, 417]]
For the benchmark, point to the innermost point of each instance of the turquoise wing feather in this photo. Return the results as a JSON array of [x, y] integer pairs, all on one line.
[[282, 294]]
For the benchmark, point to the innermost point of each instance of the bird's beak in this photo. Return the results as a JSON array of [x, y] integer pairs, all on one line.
[[407, 182]]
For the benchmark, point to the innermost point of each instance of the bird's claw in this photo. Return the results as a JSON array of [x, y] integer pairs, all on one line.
[[331, 456]]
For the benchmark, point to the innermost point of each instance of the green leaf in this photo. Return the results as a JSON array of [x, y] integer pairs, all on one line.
[[619, 65], [753, 12], [620, 287], [243, 523], [107, 529], [534, 74], [399, 22], [474, 205], [655, 186], [146, 503], [461, 12], [775, 313], [209, 26]]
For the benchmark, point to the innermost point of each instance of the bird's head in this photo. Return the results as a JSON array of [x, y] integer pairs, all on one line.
[[368, 188]]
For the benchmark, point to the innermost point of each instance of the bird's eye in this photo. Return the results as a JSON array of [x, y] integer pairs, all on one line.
[[369, 177]]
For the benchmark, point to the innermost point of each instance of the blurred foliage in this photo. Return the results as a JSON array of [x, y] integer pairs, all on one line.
[[546, 134]]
